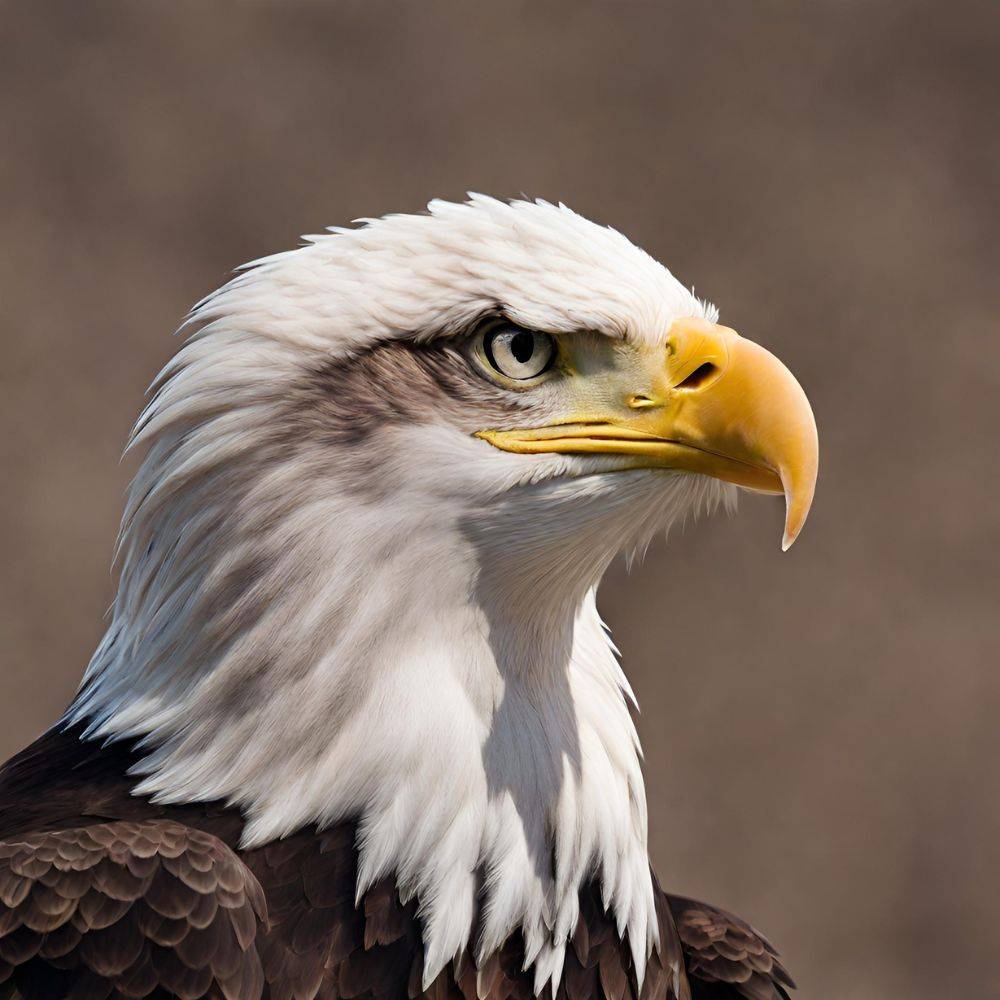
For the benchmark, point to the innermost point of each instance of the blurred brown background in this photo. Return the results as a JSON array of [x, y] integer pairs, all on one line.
[[820, 727]]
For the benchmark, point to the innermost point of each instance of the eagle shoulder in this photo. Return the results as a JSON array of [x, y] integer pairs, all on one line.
[[108, 894], [725, 956], [130, 909], [319, 942]]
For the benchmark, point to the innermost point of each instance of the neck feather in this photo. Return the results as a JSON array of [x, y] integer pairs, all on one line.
[[446, 684]]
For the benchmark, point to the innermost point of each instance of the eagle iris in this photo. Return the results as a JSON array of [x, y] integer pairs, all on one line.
[[517, 353]]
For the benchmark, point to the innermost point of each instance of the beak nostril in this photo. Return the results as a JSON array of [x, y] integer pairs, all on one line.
[[698, 377], [641, 402]]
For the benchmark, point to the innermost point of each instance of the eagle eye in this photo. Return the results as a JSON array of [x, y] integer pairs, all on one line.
[[517, 353]]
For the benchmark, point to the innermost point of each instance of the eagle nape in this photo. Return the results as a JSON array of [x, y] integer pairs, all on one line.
[[355, 728]]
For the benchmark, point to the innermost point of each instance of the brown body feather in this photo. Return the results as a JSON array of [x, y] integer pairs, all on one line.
[[106, 895]]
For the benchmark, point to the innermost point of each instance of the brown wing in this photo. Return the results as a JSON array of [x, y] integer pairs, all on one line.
[[725, 956], [599, 964], [320, 945], [143, 905], [123, 909]]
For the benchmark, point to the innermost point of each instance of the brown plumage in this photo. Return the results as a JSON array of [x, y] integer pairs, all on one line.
[[106, 895]]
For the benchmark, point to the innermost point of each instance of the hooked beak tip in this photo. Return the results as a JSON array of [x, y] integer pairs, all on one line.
[[799, 488]]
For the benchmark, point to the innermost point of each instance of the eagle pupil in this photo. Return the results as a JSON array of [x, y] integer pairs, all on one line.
[[522, 346]]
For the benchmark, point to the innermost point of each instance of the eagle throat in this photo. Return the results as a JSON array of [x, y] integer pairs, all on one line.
[[435, 677]]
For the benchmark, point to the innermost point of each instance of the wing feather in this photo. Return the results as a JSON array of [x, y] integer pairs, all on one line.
[[125, 909], [725, 956], [134, 909]]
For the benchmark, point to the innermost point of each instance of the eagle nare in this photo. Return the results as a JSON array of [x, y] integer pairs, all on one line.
[[355, 727]]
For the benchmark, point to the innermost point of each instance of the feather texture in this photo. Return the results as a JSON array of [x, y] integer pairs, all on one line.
[[157, 903]]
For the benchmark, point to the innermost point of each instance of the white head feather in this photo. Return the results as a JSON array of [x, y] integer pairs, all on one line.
[[417, 648]]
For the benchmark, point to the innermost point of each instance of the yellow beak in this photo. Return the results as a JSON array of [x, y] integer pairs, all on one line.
[[716, 404]]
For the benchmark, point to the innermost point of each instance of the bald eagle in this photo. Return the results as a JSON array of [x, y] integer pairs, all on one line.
[[355, 728]]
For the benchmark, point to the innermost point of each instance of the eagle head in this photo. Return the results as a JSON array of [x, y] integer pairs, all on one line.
[[382, 479]]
